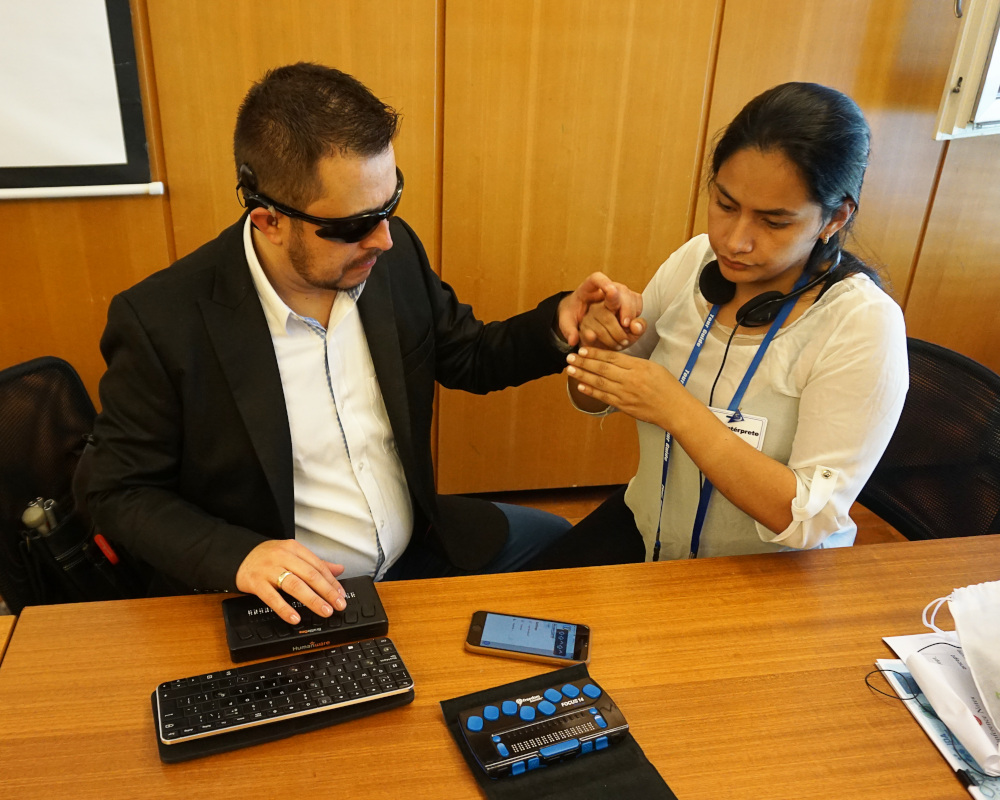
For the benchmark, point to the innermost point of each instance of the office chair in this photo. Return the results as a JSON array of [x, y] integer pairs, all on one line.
[[940, 475], [45, 412]]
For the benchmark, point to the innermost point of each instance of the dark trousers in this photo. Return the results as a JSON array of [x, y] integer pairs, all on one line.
[[607, 535]]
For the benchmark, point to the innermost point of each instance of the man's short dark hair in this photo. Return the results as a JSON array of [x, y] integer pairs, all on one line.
[[296, 115]]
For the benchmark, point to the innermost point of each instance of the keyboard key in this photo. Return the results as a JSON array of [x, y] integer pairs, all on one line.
[[559, 749]]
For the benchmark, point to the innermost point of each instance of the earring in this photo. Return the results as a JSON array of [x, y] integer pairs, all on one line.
[[826, 239]]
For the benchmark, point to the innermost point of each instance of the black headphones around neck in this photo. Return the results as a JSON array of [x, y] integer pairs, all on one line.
[[759, 311]]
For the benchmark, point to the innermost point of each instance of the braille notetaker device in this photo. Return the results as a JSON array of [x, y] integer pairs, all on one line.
[[521, 734], [253, 630]]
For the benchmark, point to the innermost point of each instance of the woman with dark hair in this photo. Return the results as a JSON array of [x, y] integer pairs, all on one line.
[[772, 370]]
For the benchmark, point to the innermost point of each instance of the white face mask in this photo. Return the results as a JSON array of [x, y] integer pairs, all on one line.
[[976, 611]]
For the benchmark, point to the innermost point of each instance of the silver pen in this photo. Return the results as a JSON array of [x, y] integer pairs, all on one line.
[[49, 507]]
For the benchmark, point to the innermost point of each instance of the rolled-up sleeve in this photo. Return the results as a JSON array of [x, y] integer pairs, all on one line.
[[848, 411]]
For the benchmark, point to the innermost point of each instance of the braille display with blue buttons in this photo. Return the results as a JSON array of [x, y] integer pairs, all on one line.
[[521, 734]]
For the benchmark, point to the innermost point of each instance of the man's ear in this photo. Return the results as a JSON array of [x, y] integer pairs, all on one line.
[[266, 221]]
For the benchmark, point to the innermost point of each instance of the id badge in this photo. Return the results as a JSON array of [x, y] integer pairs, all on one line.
[[748, 427]]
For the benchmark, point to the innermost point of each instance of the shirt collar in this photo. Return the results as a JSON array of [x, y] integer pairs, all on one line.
[[275, 309]]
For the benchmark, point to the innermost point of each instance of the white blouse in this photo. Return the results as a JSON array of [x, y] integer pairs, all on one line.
[[831, 386]]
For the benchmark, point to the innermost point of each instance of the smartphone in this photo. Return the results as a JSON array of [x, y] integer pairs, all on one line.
[[529, 638]]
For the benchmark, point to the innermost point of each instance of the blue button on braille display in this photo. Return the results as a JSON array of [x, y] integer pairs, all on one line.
[[509, 708], [496, 738], [600, 722], [552, 696], [474, 723], [601, 743], [533, 762], [587, 747], [591, 691], [593, 711], [527, 713], [546, 708], [570, 691], [558, 749], [502, 750], [491, 713], [517, 768]]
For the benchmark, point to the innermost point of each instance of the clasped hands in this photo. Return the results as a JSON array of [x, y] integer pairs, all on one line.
[[600, 310], [637, 386]]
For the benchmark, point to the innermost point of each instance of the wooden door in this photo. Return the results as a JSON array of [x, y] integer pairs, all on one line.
[[572, 138], [207, 54], [955, 297], [892, 58]]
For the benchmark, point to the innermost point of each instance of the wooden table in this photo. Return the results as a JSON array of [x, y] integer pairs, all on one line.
[[741, 678], [6, 628]]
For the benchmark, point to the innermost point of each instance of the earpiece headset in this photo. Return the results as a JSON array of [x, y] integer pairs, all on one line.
[[763, 308], [247, 189]]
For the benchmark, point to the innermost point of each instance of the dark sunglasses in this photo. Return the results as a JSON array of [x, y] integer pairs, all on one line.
[[340, 229]]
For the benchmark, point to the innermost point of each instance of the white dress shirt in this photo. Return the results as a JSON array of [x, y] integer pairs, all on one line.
[[352, 504]]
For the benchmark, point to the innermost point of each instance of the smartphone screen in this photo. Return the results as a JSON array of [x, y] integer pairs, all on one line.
[[540, 637]]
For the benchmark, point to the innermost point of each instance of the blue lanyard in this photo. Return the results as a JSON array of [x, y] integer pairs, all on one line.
[[706, 489]]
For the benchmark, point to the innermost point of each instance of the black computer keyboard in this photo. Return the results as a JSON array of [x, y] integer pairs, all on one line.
[[272, 693]]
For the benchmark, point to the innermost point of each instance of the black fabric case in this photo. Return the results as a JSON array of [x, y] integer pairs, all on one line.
[[620, 771]]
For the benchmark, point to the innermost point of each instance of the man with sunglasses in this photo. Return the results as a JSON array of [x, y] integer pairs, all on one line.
[[267, 405]]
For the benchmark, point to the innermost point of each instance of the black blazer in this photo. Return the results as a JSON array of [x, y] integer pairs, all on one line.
[[193, 460]]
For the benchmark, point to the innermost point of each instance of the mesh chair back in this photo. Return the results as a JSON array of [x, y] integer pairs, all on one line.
[[940, 475], [45, 412]]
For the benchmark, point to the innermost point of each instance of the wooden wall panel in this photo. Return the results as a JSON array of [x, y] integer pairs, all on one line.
[[207, 54], [892, 57], [63, 260], [572, 138], [955, 296], [571, 143]]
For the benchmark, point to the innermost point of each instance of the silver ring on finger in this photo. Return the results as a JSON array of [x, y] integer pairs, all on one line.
[[282, 577]]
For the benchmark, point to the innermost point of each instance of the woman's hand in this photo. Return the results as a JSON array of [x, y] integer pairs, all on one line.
[[753, 482], [637, 386]]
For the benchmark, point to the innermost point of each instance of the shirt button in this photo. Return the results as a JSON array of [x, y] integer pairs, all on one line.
[[827, 473]]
